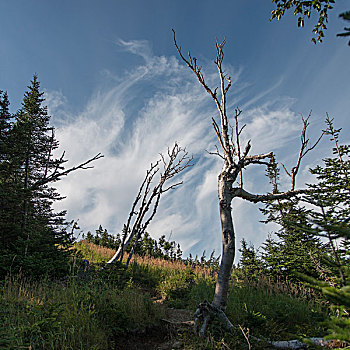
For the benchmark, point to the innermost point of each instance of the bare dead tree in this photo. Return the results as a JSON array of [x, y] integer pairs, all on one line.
[[148, 197], [235, 159]]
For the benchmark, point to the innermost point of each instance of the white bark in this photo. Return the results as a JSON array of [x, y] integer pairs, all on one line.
[[297, 344]]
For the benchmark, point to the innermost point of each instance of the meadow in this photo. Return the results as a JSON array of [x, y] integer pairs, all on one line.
[[131, 308]]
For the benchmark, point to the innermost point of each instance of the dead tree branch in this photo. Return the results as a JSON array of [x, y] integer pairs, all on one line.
[[148, 197], [304, 149], [57, 174], [256, 198]]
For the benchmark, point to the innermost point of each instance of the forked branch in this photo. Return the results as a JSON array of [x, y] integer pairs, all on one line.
[[225, 84], [304, 149]]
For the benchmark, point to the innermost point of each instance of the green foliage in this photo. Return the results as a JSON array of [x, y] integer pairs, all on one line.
[[73, 315], [175, 288], [145, 246], [249, 263], [332, 191], [115, 302], [103, 238], [337, 291], [304, 9], [212, 262], [330, 218], [330, 198], [275, 310], [264, 308], [298, 248], [295, 248]]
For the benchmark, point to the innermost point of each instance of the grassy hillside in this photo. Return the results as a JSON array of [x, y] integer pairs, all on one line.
[[134, 307]]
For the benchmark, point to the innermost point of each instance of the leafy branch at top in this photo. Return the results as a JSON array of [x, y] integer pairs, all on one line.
[[303, 9]]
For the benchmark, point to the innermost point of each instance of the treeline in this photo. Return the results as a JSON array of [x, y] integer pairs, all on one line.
[[150, 247], [145, 246]]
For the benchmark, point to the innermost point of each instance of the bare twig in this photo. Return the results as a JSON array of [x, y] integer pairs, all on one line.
[[245, 336], [217, 153]]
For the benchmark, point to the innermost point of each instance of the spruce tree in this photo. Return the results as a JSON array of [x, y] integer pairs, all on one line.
[[41, 236], [250, 263], [295, 247], [34, 238], [338, 294], [330, 198]]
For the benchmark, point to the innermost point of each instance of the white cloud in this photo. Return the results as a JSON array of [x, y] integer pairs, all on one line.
[[270, 128], [147, 110], [137, 47]]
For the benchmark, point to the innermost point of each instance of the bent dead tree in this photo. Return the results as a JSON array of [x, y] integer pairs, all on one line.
[[148, 197], [230, 181]]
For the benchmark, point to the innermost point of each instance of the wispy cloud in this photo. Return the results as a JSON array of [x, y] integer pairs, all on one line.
[[137, 47], [145, 111]]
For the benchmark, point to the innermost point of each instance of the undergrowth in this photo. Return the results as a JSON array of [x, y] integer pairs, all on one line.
[[95, 306], [73, 314]]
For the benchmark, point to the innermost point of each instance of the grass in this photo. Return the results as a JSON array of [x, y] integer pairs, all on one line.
[[71, 315], [94, 308]]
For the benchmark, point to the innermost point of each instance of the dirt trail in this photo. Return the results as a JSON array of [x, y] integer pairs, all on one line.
[[165, 337]]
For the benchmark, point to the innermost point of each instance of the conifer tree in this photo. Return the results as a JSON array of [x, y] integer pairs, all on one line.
[[35, 239], [331, 197], [337, 293], [38, 247], [249, 262], [5, 119], [295, 248]]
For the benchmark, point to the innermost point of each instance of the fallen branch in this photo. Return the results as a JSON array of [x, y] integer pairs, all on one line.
[[297, 344]]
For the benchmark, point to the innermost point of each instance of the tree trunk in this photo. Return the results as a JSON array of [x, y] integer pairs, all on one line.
[[228, 242], [24, 227]]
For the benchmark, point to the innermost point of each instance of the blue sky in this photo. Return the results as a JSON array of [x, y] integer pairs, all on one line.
[[114, 85]]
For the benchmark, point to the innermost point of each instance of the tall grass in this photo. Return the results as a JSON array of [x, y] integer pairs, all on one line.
[[275, 308], [94, 308], [47, 315]]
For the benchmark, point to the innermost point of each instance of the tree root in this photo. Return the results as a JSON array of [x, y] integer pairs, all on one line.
[[206, 312]]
